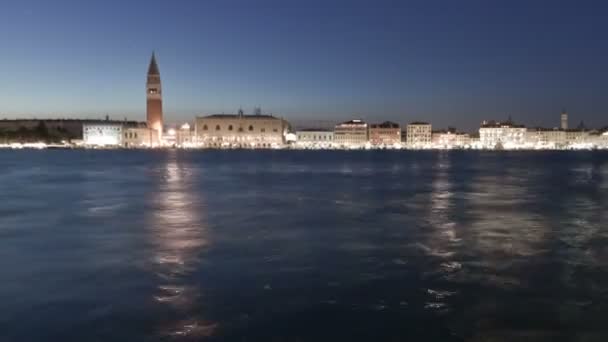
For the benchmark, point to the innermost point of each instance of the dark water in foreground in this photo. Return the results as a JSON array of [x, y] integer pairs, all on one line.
[[303, 246]]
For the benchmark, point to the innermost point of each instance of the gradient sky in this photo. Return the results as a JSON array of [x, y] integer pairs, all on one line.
[[448, 62]]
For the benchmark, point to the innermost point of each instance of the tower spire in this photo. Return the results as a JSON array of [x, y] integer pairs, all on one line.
[[153, 68]]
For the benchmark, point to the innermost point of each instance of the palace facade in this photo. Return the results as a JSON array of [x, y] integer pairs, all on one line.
[[240, 131]]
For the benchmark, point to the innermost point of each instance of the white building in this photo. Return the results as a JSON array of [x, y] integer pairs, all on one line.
[[184, 136], [351, 134], [311, 138], [450, 139], [497, 135], [102, 134], [140, 137], [419, 134], [545, 138], [240, 131]]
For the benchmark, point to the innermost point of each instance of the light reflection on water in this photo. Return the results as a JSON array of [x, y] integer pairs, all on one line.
[[178, 232]]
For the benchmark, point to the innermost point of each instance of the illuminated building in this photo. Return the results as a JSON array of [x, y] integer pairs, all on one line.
[[385, 134], [351, 133], [240, 131], [314, 138], [154, 110], [140, 137], [184, 136], [102, 134], [497, 135], [450, 139], [543, 137], [419, 134]]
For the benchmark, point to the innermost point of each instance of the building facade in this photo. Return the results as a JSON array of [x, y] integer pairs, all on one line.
[[314, 138], [419, 134], [353, 133], [154, 105], [547, 138], [140, 137], [497, 135], [240, 131], [102, 135], [385, 134], [450, 139], [577, 136]]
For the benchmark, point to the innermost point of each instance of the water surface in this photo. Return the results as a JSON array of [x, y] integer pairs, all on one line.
[[303, 246]]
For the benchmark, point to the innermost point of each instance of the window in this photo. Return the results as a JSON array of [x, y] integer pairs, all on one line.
[[240, 129], [263, 130], [230, 128], [250, 127], [275, 130], [217, 128], [204, 127]]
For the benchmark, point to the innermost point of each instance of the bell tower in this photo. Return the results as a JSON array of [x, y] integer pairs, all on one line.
[[154, 110]]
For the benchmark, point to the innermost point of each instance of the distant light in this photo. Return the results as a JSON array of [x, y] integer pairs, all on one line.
[[171, 131], [186, 126]]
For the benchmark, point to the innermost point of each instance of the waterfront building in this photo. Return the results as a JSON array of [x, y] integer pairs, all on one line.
[[419, 134], [498, 135], [545, 138], [353, 133], [184, 136], [577, 136], [240, 131], [450, 139], [154, 108], [138, 137], [103, 134], [310, 138], [385, 134]]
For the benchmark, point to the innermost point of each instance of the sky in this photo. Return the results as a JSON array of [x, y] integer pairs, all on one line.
[[452, 63]]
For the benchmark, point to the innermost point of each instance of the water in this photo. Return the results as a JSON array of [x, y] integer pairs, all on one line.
[[303, 246]]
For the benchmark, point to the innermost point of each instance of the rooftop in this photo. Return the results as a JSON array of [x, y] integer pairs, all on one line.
[[236, 116], [315, 130], [353, 122], [385, 124]]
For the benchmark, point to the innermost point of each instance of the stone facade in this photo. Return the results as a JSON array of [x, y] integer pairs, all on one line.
[[385, 134], [314, 138], [419, 134], [351, 133], [499, 135], [240, 131], [140, 137]]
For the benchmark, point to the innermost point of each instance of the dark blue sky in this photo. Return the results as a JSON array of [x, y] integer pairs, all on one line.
[[448, 62]]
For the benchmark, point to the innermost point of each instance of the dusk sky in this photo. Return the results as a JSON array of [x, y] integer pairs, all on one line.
[[453, 63]]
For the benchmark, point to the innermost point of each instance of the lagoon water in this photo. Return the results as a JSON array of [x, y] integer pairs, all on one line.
[[303, 246]]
